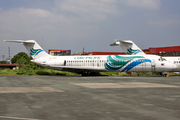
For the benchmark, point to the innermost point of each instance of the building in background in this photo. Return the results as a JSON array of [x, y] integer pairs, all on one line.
[[59, 52], [106, 53], [165, 51], [162, 51]]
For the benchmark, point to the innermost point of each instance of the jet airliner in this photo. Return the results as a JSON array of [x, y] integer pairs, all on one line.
[[96, 63], [130, 48]]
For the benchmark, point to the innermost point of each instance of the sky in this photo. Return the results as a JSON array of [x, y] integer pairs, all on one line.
[[92, 24]]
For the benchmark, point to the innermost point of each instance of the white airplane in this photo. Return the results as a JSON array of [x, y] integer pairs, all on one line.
[[96, 63], [130, 48]]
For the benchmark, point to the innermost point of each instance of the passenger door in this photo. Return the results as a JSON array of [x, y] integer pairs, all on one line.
[[153, 65]]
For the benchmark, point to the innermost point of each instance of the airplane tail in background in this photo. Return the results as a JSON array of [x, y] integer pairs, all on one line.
[[129, 47], [33, 48]]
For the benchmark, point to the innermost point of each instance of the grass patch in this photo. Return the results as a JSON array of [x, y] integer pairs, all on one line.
[[46, 71], [8, 72], [29, 70], [174, 74]]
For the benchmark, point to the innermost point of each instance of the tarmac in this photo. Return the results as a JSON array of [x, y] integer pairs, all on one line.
[[89, 98]]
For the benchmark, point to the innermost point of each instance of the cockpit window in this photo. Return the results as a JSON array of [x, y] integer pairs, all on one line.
[[162, 59]]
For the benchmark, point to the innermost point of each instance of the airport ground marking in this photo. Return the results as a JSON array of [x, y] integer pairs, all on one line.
[[28, 89], [124, 85], [17, 118]]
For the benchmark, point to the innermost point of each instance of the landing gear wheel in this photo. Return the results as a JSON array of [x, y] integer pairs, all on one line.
[[84, 73]]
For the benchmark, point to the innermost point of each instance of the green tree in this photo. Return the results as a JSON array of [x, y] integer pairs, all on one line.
[[21, 58]]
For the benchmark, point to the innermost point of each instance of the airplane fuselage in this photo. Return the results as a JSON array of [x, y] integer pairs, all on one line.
[[119, 63]]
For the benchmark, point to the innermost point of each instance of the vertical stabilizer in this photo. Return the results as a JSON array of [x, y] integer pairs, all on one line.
[[129, 47], [33, 48]]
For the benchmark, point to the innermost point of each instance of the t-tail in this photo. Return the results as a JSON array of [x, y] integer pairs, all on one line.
[[33, 48], [129, 47]]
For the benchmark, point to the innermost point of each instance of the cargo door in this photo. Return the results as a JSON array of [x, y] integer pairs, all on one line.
[[153, 65], [95, 62], [98, 63]]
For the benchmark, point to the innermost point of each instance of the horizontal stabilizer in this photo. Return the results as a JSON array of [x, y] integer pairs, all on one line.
[[115, 44], [129, 47], [118, 42], [20, 41]]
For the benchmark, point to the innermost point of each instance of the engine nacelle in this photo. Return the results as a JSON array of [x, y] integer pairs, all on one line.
[[55, 62]]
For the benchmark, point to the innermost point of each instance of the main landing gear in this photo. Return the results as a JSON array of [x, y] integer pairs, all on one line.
[[85, 73]]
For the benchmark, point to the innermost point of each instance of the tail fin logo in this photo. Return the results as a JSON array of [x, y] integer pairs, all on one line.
[[34, 52], [130, 51]]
